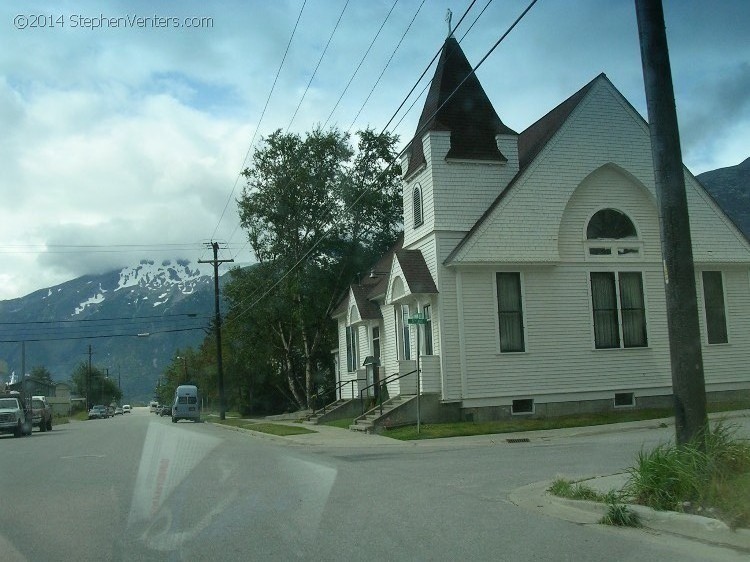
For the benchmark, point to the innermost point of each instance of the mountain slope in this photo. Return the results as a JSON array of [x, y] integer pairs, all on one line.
[[168, 304], [731, 189]]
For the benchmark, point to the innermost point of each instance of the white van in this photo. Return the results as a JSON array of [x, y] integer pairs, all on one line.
[[186, 405], [153, 406]]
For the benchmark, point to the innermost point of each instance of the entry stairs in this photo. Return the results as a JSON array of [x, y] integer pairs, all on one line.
[[328, 412], [370, 420]]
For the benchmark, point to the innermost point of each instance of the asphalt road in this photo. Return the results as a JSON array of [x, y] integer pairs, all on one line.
[[141, 488]]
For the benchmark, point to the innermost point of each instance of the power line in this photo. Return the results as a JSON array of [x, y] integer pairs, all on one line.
[[387, 64], [320, 60], [76, 320], [476, 19], [100, 336], [424, 72], [427, 68], [419, 131], [417, 98], [263, 113], [362, 60], [325, 49]]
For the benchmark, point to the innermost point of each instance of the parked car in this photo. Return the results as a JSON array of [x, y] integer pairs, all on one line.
[[186, 403], [126, 409], [98, 412], [165, 410], [41, 413], [13, 416], [118, 411]]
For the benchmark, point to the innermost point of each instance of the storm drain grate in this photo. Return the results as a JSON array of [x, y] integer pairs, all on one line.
[[519, 440]]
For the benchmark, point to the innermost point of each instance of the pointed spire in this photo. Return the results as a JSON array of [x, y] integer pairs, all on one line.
[[468, 114]]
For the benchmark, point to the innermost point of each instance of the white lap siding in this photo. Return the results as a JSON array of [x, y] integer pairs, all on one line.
[[344, 373], [728, 363], [388, 351], [560, 357]]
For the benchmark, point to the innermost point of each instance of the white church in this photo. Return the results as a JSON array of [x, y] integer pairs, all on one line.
[[533, 260]]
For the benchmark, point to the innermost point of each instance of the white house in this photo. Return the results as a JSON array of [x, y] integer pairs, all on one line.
[[535, 259]]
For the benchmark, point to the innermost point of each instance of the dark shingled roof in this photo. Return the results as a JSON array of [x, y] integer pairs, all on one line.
[[534, 138], [415, 270], [371, 286], [468, 115], [383, 265], [368, 310]]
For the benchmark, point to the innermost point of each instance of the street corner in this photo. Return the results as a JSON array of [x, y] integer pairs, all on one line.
[[536, 498], [704, 529]]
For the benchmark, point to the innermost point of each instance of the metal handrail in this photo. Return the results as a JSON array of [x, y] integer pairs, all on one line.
[[385, 381], [337, 392], [341, 385], [314, 400]]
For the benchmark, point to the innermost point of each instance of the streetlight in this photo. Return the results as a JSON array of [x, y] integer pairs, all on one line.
[[184, 362]]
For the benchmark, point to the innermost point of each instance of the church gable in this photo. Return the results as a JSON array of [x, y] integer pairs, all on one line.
[[602, 130], [611, 191]]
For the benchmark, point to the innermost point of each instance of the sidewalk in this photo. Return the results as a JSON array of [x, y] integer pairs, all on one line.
[[534, 497], [322, 436]]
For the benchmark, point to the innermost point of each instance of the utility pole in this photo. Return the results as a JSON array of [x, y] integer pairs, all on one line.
[[215, 262], [88, 382], [688, 384]]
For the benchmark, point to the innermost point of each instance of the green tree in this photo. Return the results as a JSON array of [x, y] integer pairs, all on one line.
[[95, 385], [317, 212], [42, 373]]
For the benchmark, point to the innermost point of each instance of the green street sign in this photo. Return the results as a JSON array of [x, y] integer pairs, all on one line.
[[417, 319]]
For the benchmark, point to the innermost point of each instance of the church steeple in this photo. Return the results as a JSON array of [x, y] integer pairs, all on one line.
[[468, 114]]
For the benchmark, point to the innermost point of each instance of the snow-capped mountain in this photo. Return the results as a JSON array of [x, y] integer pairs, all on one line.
[[171, 302], [147, 284]]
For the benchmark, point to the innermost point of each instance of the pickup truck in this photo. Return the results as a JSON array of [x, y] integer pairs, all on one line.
[[13, 416], [41, 413]]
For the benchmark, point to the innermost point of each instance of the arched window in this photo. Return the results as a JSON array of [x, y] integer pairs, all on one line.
[[617, 297], [611, 233], [610, 224], [417, 205]]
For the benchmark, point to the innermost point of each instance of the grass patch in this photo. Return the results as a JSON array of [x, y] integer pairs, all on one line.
[[80, 416], [620, 515], [216, 413], [713, 480], [433, 431], [579, 491], [343, 423], [728, 406], [272, 428], [617, 512]]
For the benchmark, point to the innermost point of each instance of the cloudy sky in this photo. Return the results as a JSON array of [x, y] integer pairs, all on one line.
[[123, 138]]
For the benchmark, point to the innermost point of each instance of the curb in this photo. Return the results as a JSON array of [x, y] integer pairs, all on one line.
[[534, 497]]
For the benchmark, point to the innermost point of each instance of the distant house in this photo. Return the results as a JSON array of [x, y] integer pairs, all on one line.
[[534, 260], [33, 386], [60, 402]]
